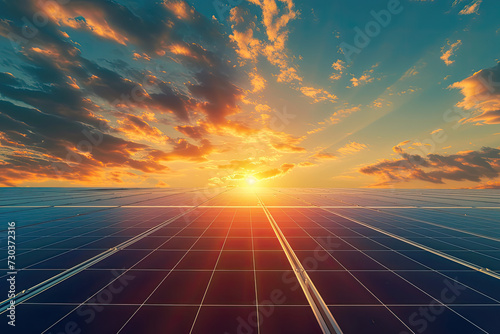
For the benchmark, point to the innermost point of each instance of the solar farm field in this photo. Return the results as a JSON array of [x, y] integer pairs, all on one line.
[[251, 260]]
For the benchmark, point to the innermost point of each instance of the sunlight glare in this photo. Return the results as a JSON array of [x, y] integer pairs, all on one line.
[[251, 180]]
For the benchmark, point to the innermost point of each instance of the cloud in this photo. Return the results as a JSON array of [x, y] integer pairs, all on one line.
[[285, 147], [307, 164], [288, 75], [54, 97], [61, 148], [339, 67], [488, 185], [318, 94], [180, 8], [335, 118], [183, 150], [481, 93], [274, 21], [258, 82], [447, 53], [365, 78], [342, 113], [246, 164], [275, 172], [137, 128], [220, 95], [195, 132], [351, 148], [324, 156], [413, 71], [471, 166], [362, 80], [472, 8]]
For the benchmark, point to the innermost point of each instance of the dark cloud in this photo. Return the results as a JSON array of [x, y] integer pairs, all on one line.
[[55, 95], [195, 132], [219, 95], [183, 150], [57, 144], [434, 168]]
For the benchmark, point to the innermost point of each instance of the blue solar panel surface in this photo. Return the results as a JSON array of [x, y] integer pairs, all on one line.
[[221, 260]]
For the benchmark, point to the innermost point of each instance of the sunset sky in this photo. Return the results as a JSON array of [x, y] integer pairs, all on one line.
[[288, 93]]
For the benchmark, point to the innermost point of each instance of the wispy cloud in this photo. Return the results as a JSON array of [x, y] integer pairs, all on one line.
[[448, 52]]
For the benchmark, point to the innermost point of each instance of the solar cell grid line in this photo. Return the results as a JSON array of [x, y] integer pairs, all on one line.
[[36, 249], [450, 197], [166, 276], [396, 273], [426, 265], [63, 218], [405, 225], [461, 219], [452, 310], [351, 274], [201, 213], [211, 276], [58, 219], [26, 294], [439, 225], [429, 249], [462, 203], [159, 197], [127, 196], [481, 260], [322, 313], [45, 199], [254, 272], [353, 199], [81, 246], [105, 197], [58, 229]]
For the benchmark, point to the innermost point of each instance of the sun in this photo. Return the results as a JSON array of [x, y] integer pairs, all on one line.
[[251, 180]]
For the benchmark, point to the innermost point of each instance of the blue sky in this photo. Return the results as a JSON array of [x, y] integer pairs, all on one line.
[[262, 89]]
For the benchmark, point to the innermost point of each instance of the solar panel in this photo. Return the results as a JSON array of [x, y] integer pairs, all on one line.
[[254, 260]]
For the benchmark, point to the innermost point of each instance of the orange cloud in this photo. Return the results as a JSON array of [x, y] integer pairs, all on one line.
[[342, 113], [137, 128], [180, 8], [195, 132], [488, 185], [446, 55], [481, 93], [258, 82], [183, 150], [362, 80], [83, 16], [325, 156], [275, 172], [472, 8], [288, 75], [318, 94], [284, 147], [351, 148]]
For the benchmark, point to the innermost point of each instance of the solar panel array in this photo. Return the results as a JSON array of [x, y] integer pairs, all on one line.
[[222, 260]]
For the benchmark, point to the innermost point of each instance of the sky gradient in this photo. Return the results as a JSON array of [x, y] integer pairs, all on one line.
[[394, 94]]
